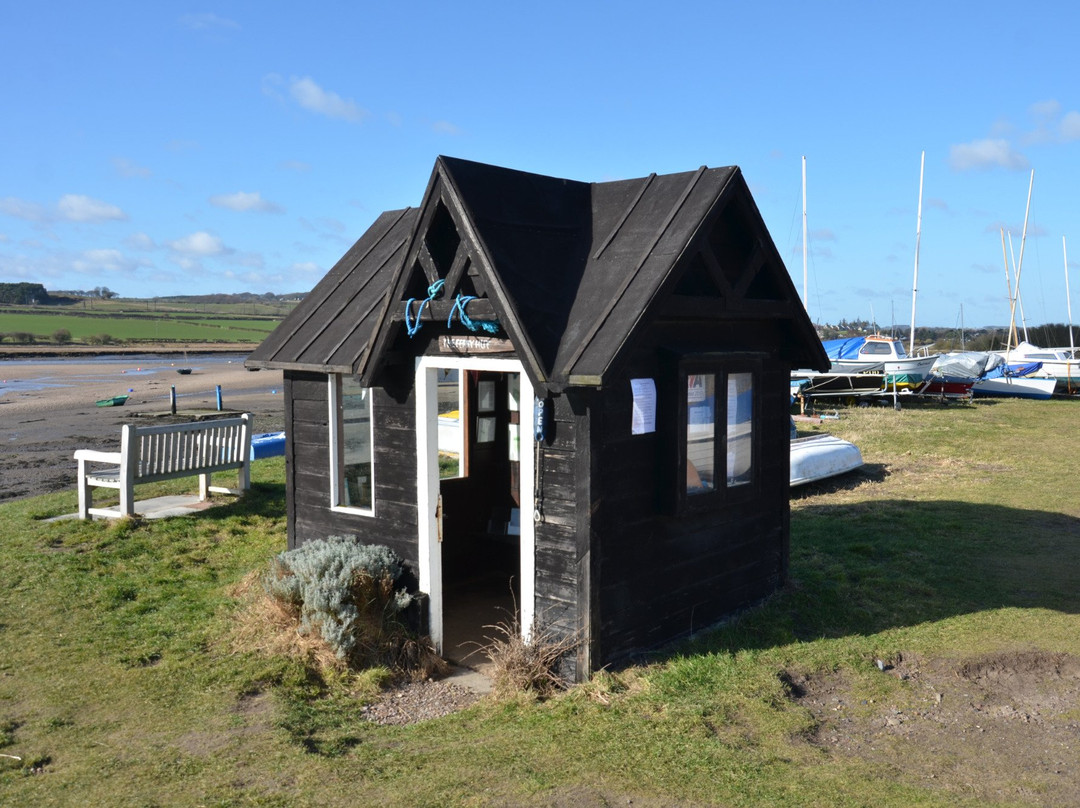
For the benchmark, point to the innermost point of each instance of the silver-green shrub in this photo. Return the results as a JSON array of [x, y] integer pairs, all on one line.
[[350, 594]]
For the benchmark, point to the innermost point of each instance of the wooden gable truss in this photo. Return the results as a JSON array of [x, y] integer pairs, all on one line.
[[445, 251]]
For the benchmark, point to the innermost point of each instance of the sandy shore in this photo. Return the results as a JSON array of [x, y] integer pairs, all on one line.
[[48, 407]]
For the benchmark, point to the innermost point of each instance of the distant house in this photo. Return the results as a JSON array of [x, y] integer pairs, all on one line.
[[649, 323]]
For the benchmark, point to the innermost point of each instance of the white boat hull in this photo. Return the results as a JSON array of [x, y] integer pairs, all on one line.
[[1037, 387], [822, 456]]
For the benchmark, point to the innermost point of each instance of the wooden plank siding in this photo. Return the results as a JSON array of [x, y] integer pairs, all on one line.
[[307, 431], [661, 575], [557, 601]]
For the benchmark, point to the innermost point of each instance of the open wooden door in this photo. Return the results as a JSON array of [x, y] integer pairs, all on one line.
[[476, 515]]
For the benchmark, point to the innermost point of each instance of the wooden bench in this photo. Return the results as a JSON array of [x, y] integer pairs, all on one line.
[[164, 452]]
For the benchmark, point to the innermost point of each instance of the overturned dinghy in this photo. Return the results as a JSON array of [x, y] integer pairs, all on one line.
[[819, 457]]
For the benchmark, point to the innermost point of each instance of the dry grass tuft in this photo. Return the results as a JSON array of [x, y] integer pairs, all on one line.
[[271, 626], [530, 666]]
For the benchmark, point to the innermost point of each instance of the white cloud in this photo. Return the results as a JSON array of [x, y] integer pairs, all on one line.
[[207, 22], [90, 261], [21, 209], [126, 168], [243, 201], [1045, 110], [199, 245], [446, 128], [314, 98], [182, 145], [79, 208], [298, 166], [140, 241], [1070, 126], [987, 153]]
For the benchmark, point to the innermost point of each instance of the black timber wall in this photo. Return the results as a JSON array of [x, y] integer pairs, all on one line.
[[562, 538], [308, 468], [659, 575], [562, 534]]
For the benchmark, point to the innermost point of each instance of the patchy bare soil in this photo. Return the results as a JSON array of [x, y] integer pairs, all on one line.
[[999, 727], [48, 408]]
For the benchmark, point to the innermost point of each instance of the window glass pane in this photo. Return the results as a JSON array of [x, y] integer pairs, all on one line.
[[740, 422], [356, 479], [700, 431], [451, 433]]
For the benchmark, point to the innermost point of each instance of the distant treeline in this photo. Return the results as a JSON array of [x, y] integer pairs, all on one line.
[[24, 294], [240, 297], [989, 338], [35, 294]]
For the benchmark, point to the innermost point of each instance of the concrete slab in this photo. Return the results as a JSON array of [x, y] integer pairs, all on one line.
[[475, 680], [160, 507]]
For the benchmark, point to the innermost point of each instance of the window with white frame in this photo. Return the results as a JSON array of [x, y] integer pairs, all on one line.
[[351, 445]]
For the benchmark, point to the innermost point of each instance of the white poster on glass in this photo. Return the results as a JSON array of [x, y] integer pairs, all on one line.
[[643, 420]]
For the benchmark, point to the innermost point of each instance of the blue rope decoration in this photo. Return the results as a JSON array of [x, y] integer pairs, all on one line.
[[412, 326], [460, 303]]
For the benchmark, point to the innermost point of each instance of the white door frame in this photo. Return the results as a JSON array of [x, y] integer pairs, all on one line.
[[427, 483]]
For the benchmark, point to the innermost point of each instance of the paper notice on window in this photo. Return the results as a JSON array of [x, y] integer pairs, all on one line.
[[644, 417]]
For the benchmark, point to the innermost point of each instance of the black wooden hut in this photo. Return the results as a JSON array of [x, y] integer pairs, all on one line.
[[648, 325]]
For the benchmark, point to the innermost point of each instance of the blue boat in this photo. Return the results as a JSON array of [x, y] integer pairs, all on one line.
[[268, 444]]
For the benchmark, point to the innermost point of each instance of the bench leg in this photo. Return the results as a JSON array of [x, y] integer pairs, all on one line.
[[244, 477], [85, 495], [204, 487], [127, 498]]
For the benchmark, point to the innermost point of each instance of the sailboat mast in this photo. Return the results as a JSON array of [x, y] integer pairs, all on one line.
[[1023, 239], [1011, 332], [1019, 298], [1068, 302], [918, 236], [805, 299]]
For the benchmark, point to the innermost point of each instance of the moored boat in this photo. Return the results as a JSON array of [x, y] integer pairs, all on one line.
[[115, 401], [862, 353], [1061, 363], [1013, 382]]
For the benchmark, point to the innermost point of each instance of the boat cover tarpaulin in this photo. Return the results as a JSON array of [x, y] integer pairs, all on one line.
[[980, 365], [847, 348], [966, 364]]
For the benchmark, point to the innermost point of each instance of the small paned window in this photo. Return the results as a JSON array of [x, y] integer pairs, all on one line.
[[352, 466], [740, 429], [719, 449], [700, 433]]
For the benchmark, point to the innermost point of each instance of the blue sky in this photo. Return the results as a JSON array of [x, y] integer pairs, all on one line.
[[165, 148]]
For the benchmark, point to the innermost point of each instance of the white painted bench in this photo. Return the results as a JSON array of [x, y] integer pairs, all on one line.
[[164, 452]]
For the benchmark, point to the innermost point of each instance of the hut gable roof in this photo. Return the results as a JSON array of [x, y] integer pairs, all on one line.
[[570, 270], [330, 329]]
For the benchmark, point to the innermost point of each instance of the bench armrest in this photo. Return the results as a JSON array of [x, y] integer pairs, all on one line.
[[95, 456]]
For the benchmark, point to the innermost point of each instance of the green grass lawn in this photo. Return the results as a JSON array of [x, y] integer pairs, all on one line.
[[143, 328], [119, 686]]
